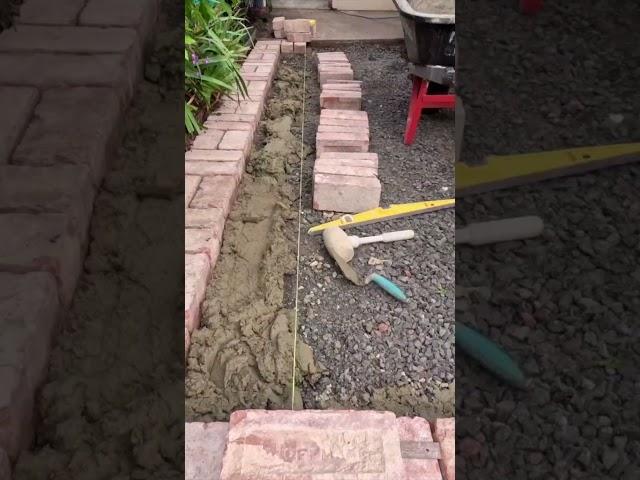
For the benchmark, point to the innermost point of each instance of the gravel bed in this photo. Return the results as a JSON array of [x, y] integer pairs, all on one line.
[[565, 305], [378, 353]]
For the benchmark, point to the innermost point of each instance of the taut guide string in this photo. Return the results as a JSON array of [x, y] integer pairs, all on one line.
[[295, 322]]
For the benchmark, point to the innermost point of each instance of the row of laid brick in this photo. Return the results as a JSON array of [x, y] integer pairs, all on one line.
[[69, 71], [213, 170], [263, 445], [345, 173]]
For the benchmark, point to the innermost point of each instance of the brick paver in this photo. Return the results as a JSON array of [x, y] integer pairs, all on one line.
[[444, 431], [345, 169], [340, 99], [346, 194], [342, 141], [204, 448], [354, 159], [196, 274], [16, 104], [312, 445], [418, 430], [286, 47], [208, 139], [216, 191]]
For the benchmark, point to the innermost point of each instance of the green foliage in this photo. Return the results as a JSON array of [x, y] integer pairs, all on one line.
[[215, 42]]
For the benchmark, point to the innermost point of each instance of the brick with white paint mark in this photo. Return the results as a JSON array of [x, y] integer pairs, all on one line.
[[204, 446], [418, 430], [208, 140], [274, 445], [216, 191], [341, 99], [346, 194], [342, 142], [444, 432], [196, 275]]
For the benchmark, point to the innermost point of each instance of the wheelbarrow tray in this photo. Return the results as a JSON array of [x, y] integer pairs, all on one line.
[[429, 38]]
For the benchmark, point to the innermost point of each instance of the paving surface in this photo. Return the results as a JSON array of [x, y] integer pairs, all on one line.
[[564, 305], [379, 353], [336, 26]]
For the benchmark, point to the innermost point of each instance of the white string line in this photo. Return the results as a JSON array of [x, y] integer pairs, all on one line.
[[295, 322]]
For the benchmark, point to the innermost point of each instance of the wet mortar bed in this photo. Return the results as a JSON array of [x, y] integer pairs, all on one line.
[[376, 352], [565, 305]]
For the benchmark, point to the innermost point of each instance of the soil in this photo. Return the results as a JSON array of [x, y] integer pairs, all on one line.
[[243, 353], [107, 406]]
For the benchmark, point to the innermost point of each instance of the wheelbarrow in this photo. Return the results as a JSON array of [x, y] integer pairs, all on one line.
[[430, 44]]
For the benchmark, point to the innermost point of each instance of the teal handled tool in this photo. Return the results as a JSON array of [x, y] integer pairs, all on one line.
[[387, 285], [489, 355]]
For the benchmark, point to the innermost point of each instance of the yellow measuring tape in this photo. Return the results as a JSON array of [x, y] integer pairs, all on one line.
[[295, 321]]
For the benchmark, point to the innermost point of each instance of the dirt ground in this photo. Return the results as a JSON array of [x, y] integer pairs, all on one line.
[[357, 348]]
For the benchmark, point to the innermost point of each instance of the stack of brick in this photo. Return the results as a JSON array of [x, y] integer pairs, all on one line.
[[345, 173], [59, 129], [213, 169], [377, 443], [297, 33]]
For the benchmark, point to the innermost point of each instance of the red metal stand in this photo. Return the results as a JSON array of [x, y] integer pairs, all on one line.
[[420, 99], [530, 7]]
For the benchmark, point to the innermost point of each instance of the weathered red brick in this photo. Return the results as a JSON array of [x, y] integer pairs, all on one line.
[[45, 12], [333, 445], [277, 23], [298, 25], [327, 122], [219, 125], [354, 159], [205, 169], [286, 47], [359, 127], [60, 189], [335, 74], [341, 169], [234, 156], [196, 275], [341, 99], [232, 117], [204, 218], [444, 432], [346, 194], [279, 33], [299, 38], [418, 430], [191, 184], [203, 240], [208, 140], [299, 47], [344, 114], [216, 191], [204, 447], [56, 136], [42, 242], [236, 140], [331, 57], [140, 15], [342, 142], [17, 104], [349, 85]]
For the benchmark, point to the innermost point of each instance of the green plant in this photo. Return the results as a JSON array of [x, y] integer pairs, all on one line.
[[215, 42]]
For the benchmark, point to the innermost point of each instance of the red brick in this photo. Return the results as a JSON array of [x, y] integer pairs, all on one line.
[[444, 432], [140, 15], [331, 57], [56, 136], [16, 104], [418, 430], [346, 86], [191, 184], [232, 117], [208, 140], [277, 23], [216, 191], [203, 240], [45, 12], [42, 242], [236, 140], [298, 25], [204, 447], [196, 275], [342, 142], [341, 100], [263, 56], [233, 156], [326, 122], [299, 47], [204, 218], [348, 126], [337, 169], [354, 159], [332, 445], [220, 125], [286, 47], [205, 169], [341, 193], [279, 33], [29, 311], [299, 38], [335, 74], [345, 114], [334, 65], [60, 189]]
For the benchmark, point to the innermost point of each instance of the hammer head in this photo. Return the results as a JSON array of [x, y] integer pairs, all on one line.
[[338, 244]]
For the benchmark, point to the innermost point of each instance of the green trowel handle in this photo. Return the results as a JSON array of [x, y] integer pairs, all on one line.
[[490, 355], [389, 287]]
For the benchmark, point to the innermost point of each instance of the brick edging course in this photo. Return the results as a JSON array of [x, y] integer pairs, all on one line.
[[62, 126]]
